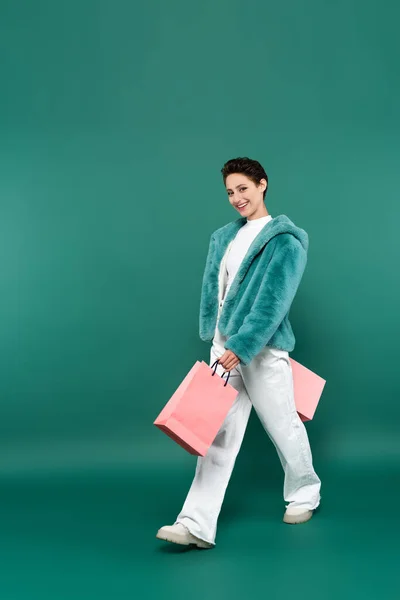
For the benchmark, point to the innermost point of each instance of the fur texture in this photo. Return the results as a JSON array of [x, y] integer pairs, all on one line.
[[256, 309]]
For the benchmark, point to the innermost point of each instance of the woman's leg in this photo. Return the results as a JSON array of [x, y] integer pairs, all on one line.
[[204, 500], [269, 382]]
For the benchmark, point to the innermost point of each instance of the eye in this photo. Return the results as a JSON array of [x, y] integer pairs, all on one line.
[[243, 188]]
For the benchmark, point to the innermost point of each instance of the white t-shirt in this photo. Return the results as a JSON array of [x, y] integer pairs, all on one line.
[[241, 244]]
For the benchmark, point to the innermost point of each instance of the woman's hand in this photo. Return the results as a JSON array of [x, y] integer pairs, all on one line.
[[229, 360]]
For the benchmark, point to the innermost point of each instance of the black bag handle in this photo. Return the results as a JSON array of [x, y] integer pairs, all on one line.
[[212, 374]]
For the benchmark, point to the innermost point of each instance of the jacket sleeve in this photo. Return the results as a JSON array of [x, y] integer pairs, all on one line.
[[275, 295], [205, 295]]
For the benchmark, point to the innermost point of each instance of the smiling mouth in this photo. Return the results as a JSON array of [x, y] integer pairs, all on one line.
[[241, 207]]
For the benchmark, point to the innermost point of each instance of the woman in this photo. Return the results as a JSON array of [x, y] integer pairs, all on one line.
[[253, 269]]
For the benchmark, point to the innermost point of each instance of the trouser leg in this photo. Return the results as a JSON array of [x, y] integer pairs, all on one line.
[[269, 382], [204, 500]]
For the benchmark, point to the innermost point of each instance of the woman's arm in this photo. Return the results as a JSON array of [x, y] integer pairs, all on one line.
[[204, 305], [275, 295]]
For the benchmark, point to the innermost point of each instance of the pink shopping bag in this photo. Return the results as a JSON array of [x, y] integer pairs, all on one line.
[[308, 387], [195, 412]]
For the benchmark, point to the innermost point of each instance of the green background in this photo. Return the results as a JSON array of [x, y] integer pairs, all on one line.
[[115, 120]]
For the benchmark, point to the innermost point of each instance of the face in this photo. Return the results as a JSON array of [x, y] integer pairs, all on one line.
[[243, 191]]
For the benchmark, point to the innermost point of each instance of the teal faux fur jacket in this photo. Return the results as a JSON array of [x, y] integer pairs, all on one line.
[[255, 312]]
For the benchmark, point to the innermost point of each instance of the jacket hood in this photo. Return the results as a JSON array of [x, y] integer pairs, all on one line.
[[277, 225]]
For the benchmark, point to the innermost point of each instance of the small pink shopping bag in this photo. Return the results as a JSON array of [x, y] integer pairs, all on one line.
[[307, 387], [195, 412]]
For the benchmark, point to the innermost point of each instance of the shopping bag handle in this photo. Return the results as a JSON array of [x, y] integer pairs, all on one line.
[[227, 379]]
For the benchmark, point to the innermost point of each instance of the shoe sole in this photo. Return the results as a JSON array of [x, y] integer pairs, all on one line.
[[297, 519], [176, 539]]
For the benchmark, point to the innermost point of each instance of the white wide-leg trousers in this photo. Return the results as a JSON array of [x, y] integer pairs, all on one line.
[[267, 384]]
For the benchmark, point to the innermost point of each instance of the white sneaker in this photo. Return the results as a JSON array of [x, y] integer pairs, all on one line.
[[179, 534], [297, 514]]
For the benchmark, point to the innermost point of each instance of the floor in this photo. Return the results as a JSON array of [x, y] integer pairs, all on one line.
[[92, 535]]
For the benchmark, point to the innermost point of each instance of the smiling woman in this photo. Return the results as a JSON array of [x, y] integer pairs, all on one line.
[[253, 269], [247, 184]]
